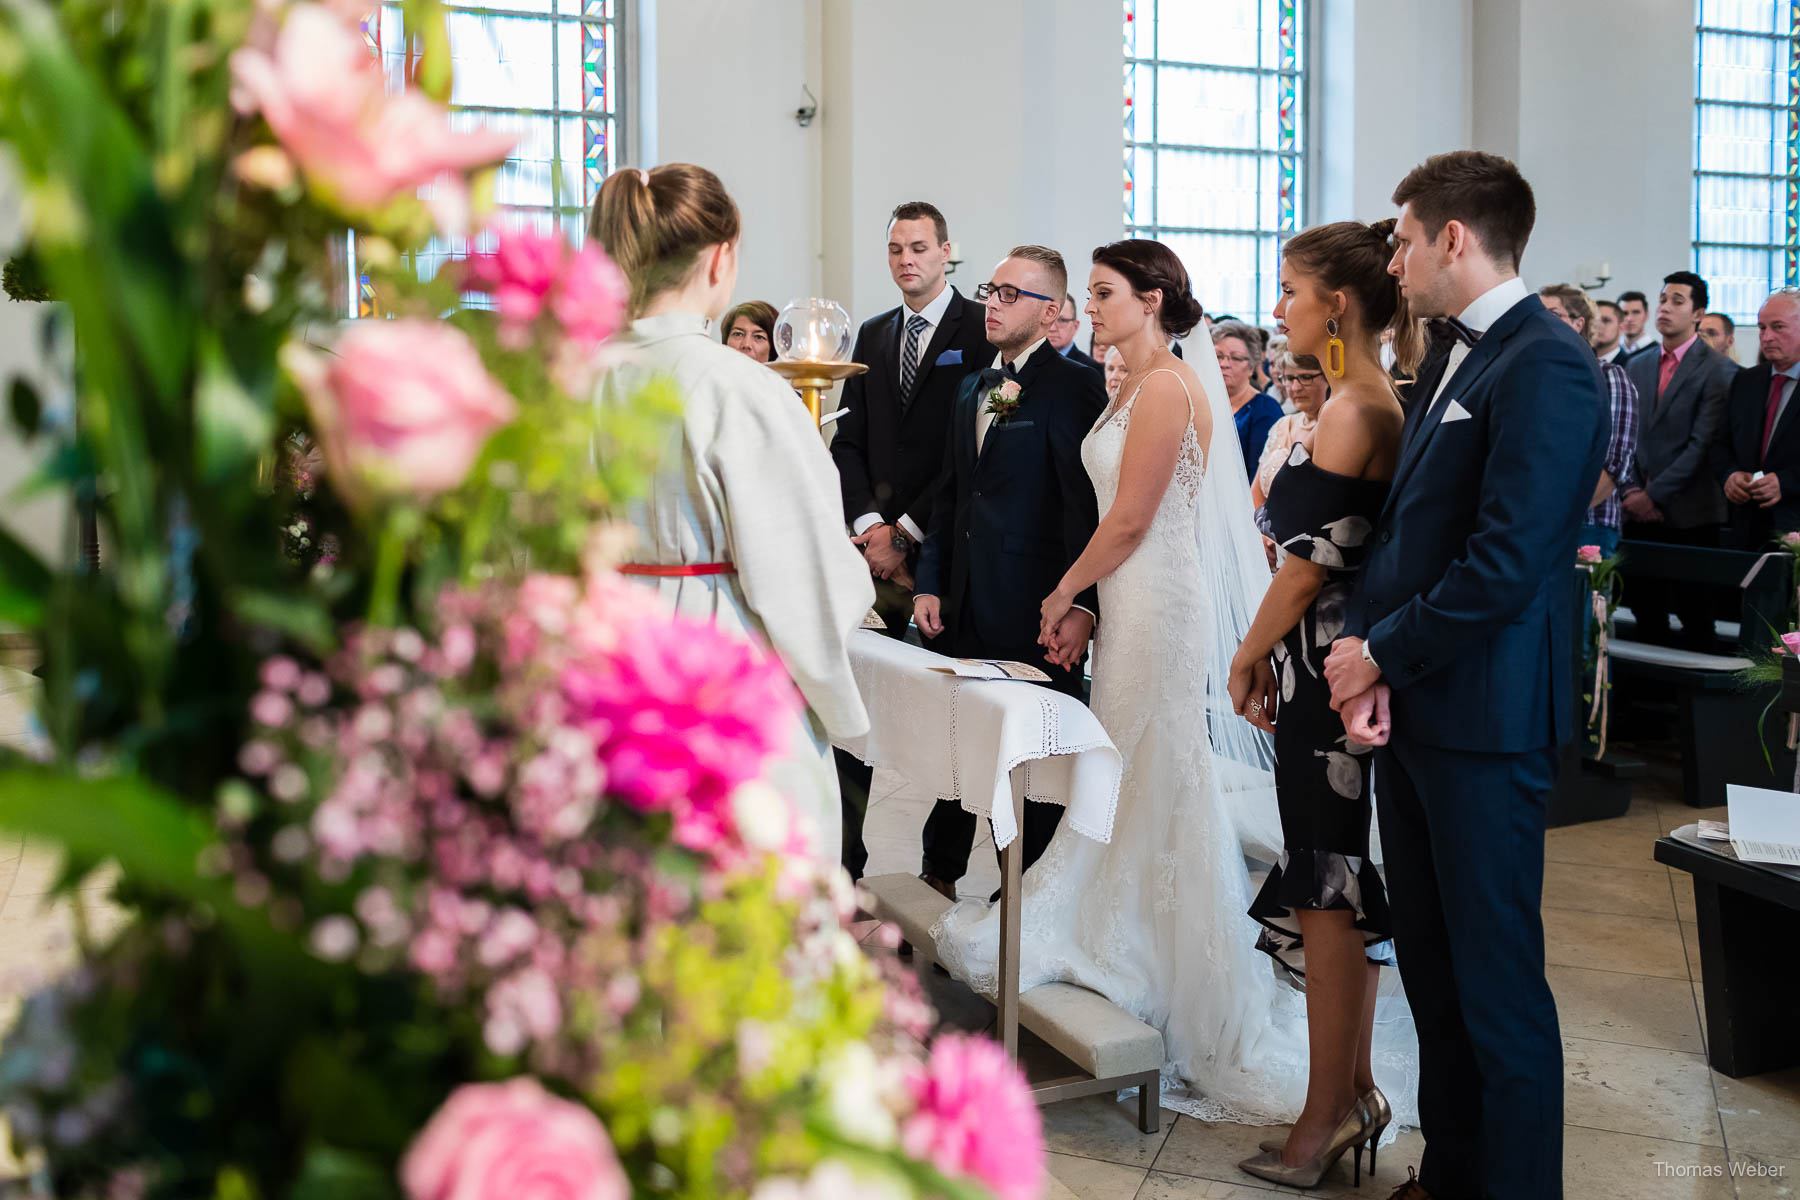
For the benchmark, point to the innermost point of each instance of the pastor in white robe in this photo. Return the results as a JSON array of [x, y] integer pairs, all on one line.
[[745, 478]]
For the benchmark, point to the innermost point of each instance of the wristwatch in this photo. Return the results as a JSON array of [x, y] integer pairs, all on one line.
[[901, 542]]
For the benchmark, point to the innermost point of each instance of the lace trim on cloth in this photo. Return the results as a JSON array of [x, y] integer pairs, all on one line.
[[1054, 744]]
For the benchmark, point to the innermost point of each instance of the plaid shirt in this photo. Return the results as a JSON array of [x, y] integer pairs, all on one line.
[[1621, 448]]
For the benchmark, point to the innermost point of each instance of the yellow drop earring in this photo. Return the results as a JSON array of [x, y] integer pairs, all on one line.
[[1334, 349]]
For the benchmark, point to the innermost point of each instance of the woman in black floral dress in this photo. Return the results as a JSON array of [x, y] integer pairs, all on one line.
[[1323, 908]]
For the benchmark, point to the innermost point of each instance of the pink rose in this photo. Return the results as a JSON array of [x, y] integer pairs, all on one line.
[[1588, 554], [1791, 541], [325, 99], [1791, 642], [1009, 390], [512, 1141], [404, 407]]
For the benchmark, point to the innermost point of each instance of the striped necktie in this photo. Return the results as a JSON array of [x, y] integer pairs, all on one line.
[[909, 357]]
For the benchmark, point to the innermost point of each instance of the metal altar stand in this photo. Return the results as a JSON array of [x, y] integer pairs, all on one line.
[[1113, 1049]]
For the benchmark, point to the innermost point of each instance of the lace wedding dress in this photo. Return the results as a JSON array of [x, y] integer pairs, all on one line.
[[1156, 920]]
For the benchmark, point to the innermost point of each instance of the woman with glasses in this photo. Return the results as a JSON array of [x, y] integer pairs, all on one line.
[[1255, 412], [1302, 382]]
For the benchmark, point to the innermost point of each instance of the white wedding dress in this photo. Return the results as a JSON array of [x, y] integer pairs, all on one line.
[[1156, 920]]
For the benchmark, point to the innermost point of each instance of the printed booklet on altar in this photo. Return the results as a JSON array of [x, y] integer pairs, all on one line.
[[1764, 825], [991, 668]]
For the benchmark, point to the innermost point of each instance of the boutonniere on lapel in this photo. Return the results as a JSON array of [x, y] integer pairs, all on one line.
[[1003, 401]]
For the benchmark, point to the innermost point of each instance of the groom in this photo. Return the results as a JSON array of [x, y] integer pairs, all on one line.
[[1460, 630], [1016, 509]]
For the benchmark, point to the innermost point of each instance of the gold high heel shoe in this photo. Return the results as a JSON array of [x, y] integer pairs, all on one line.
[[1351, 1132], [1381, 1115]]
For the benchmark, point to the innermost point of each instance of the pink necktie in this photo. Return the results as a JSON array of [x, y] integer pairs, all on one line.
[[1669, 363], [1775, 386]]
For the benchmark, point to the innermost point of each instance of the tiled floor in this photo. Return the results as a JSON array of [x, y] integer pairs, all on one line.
[[1647, 1118]]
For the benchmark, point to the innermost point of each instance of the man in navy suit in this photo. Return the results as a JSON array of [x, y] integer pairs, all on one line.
[[1015, 510], [889, 444], [1456, 662]]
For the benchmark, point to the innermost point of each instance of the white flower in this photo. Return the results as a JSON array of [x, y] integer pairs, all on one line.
[[834, 1179], [856, 1090], [763, 815]]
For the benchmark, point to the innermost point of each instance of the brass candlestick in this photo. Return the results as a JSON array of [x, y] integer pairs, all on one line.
[[812, 379]]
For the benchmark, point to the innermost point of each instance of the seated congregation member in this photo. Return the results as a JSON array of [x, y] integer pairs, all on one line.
[[742, 524], [750, 330], [1676, 499], [1062, 337], [1757, 460], [889, 445], [1238, 347], [1014, 510], [1720, 332], [1600, 527]]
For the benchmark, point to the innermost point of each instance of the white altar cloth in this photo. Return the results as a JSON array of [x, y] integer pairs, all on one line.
[[960, 739]]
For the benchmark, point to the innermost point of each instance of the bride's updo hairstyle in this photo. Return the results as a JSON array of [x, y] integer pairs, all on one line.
[[1349, 256], [655, 223], [1151, 266]]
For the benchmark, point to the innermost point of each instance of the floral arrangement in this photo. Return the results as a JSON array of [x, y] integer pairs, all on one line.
[[1603, 598], [447, 863]]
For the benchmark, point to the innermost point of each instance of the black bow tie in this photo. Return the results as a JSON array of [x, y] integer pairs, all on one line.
[[1444, 332]]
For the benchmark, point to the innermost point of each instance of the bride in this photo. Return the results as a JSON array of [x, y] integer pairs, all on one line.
[[1156, 920]]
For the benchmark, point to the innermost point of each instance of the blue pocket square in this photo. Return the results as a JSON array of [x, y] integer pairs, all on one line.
[[949, 358]]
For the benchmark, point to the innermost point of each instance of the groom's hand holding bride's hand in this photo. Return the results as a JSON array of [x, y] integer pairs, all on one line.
[[1069, 640], [1348, 672]]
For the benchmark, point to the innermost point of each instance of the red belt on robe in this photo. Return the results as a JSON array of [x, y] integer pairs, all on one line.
[[677, 570]]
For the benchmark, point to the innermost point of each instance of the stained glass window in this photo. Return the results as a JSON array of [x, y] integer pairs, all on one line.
[[1214, 109], [549, 69], [1746, 150]]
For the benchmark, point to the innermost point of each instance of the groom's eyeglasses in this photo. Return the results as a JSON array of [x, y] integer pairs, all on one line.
[[1007, 292]]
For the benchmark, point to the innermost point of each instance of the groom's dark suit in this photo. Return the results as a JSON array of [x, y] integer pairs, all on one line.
[[1009, 521], [1465, 604]]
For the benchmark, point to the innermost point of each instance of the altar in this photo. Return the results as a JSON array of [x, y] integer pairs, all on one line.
[[988, 745]]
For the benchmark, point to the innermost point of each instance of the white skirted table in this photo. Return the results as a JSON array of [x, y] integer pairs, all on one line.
[[988, 745]]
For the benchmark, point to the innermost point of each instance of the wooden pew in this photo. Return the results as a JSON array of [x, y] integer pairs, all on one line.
[[1716, 718]]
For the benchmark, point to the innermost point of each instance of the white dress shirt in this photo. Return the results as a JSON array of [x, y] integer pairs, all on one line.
[[1480, 316], [1633, 345], [1615, 354], [983, 418], [934, 316]]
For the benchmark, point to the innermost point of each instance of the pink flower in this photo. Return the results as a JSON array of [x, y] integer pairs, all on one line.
[[682, 713], [512, 1141], [1588, 554], [404, 407], [524, 266], [1009, 390], [530, 272], [1791, 540], [975, 1118], [325, 99], [1791, 642], [590, 304]]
